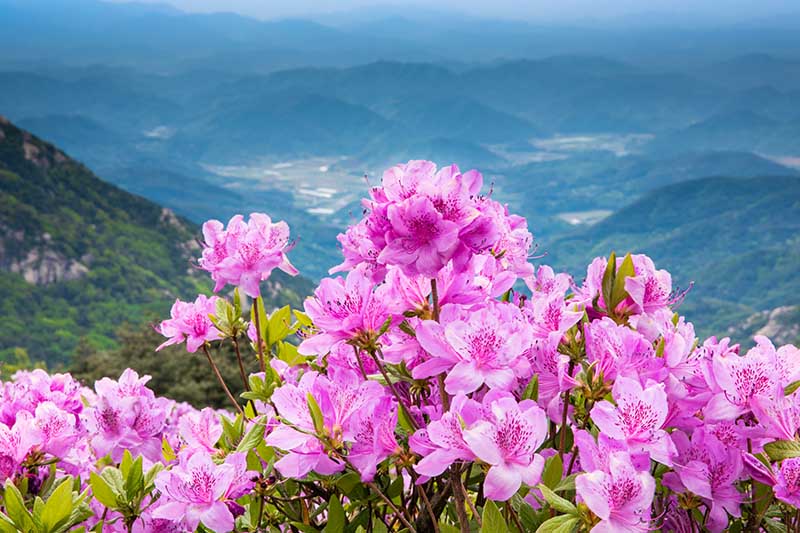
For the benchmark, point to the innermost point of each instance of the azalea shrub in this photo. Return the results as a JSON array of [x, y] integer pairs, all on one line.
[[443, 382]]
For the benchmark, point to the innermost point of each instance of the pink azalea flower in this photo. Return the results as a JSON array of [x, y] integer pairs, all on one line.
[[200, 429], [547, 282], [709, 469], [650, 289], [374, 437], [360, 252], [15, 444], [787, 486], [58, 428], [420, 240], [620, 495], [739, 379], [507, 440], [127, 415], [343, 309], [442, 442], [190, 322], [637, 419], [777, 414], [551, 315], [618, 350], [482, 346], [341, 396], [193, 491], [245, 253], [550, 367]]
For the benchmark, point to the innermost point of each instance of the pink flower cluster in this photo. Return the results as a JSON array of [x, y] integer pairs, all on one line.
[[54, 419], [245, 253], [442, 363], [427, 304]]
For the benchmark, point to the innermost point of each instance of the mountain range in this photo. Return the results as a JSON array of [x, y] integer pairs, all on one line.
[[578, 128]]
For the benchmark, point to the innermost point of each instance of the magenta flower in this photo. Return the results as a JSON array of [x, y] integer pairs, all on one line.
[[58, 428], [637, 419], [482, 346], [709, 469], [343, 309], [551, 368], [620, 495], [777, 414], [15, 444], [200, 429], [374, 437], [551, 315], [442, 442], [420, 240], [617, 350], [192, 492], [190, 322], [737, 380], [245, 253], [650, 289], [787, 485], [507, 440], [344, 399], [547, 282], [127, 415]]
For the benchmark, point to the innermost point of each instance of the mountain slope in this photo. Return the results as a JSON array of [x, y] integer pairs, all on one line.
[[737, 239], [80, 257]]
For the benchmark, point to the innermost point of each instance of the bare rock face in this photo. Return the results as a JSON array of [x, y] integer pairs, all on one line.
[[43, 266], [781, 325]]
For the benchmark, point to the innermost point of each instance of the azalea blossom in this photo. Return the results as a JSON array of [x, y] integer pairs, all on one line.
[[193, 491], [481, 348], [619, 495], [508, 440], [190, 322], [637, 419]]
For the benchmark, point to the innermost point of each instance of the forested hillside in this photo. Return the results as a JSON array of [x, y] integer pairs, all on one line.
[[80, 257]]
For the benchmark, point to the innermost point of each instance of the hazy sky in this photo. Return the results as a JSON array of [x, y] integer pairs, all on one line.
[[559, 10]]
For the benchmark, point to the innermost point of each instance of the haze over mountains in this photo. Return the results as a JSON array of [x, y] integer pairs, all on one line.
[[581, 128]]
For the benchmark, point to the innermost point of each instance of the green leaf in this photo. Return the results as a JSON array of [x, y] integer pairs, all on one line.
[[492, 519], [782, 449], [305, 528], [302, 318], [253, 438], [553, 469], [336, 517], [791, 387], [625, 270], [134, 481], [532, 390], [58, 508], [559, 524], [316, 414], [6, 524], [15, 507], [166, 450], [102, 492], [279, 325], [448, 528], [568, 483], [288, 354], [607, 286], [557, 502]]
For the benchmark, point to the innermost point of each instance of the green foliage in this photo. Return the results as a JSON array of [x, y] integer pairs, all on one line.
[[55, 512], [56, 214], [736, 239]]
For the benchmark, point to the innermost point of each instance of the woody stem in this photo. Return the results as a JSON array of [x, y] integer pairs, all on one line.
[[221, 381]]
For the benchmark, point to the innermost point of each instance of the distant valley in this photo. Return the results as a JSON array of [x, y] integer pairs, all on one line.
[[581, 140]]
